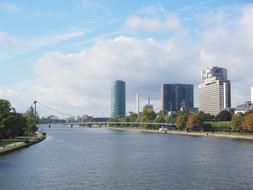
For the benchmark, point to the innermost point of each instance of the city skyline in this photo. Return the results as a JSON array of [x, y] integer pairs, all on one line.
[[62, 53], [126, 94]]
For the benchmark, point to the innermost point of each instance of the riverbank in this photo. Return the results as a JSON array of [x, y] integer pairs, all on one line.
[[21, 142], [178, 132]]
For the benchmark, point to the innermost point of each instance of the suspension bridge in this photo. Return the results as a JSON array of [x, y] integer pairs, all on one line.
[[96, 123]]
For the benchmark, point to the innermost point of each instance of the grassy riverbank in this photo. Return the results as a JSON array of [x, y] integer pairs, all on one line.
[[179, 132], [9, 145]]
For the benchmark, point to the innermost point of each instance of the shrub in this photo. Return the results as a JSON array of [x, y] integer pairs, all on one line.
[[224, 115]]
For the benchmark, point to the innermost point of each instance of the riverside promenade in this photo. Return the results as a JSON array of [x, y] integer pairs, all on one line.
[[179, 132], [22, 143]]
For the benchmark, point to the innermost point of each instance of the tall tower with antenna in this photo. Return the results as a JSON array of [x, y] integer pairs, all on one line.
[[148, 106]]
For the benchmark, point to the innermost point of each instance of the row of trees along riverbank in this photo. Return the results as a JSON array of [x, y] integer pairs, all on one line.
[[225, 121], [13, 124]]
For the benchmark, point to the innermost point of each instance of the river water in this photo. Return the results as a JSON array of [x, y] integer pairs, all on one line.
[[104, 159]]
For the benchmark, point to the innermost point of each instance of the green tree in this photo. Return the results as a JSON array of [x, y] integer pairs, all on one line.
[[159, 119], [170, 118], [133, 116], [161, 115], [31, 129], [181, 120], [181, 113], [12, 124], [31, 118], [118, 119], [148, 116], [236, 121], [194, 122], [205, 116], [224, 115], [247, 122], [5, 106]]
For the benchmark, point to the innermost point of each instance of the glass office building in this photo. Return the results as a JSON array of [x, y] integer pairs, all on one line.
[[118, 98], [177, 96]]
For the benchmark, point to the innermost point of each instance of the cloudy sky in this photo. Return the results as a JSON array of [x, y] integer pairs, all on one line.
[[66, 53]]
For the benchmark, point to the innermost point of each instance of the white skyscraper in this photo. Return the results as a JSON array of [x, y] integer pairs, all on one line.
[[214, 90], [137, 103]]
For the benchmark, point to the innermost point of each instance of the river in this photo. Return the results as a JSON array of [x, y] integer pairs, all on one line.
[[103, 159]]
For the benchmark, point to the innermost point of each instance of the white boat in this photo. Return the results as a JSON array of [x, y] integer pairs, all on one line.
[[163, 129]]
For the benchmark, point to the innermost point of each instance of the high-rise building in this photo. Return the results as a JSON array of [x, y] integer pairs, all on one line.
[[177, 96], [252, 94], [214, 90], [118, 98]]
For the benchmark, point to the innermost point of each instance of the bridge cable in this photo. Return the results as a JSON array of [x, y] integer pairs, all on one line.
[[55, 110]]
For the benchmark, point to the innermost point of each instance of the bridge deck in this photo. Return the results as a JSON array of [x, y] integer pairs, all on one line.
[[108, 123]]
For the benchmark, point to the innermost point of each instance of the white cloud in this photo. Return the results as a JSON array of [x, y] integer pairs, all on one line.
[[11, 46], [172, 22], [16, 9], [135, 23], [8, 45], [80, 82], [10, 7], [157, 18], [228, 42], [7, 41], [95, 5], [152, 24], [246, 23], [157, 10], [53, 39]]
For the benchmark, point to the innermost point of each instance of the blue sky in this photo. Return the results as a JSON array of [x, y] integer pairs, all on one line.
[[42, 40]]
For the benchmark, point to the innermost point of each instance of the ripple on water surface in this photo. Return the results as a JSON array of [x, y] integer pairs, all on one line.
[[84, 158]]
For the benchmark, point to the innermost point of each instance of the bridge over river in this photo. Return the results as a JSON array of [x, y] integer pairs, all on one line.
[[97, 123], [93, 123]]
